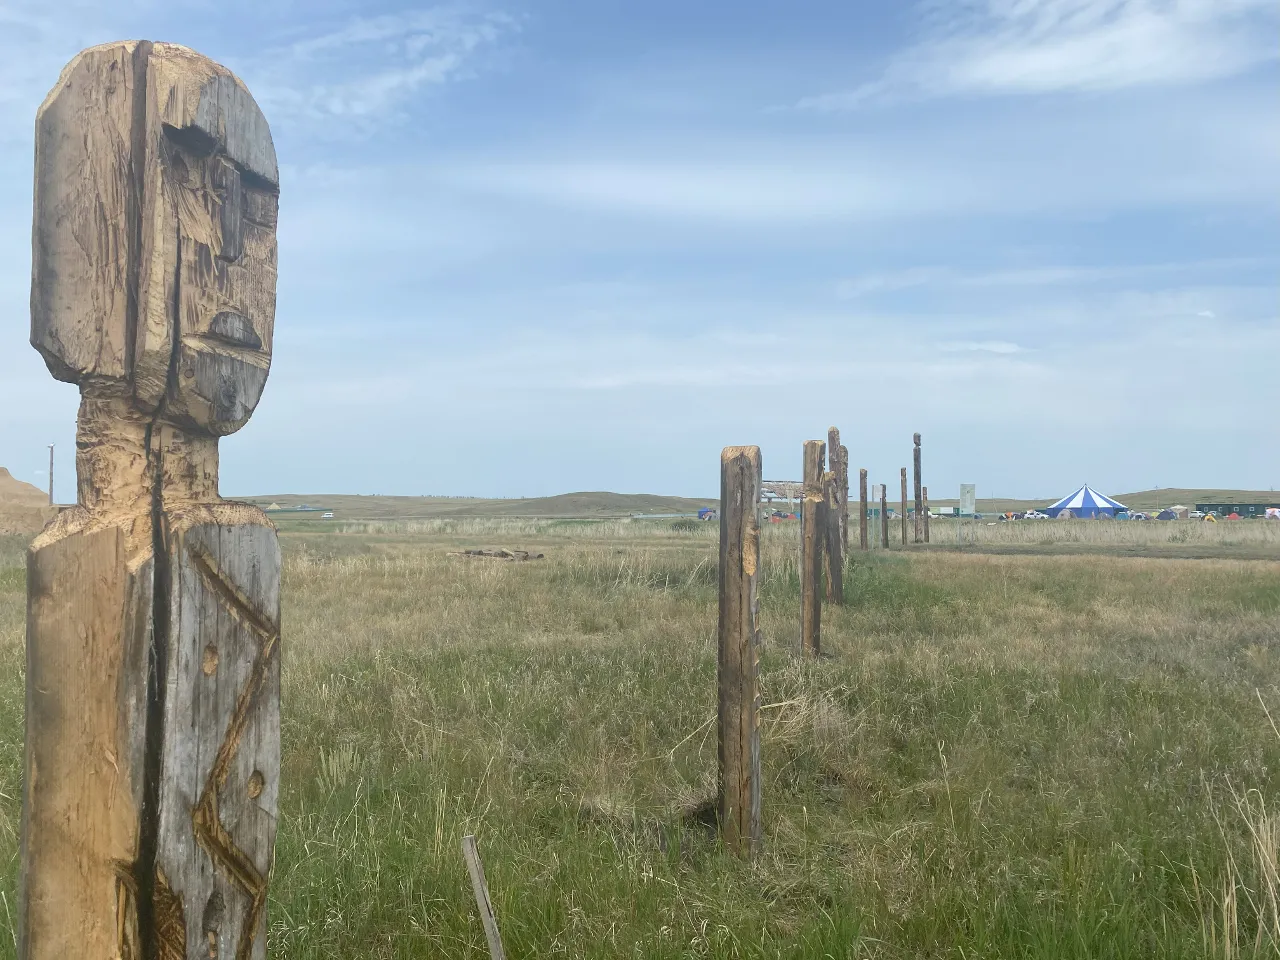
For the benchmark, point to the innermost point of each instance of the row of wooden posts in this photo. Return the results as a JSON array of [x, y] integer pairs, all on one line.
[[824, 542]]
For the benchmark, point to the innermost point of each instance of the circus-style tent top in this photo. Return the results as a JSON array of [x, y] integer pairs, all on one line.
[[1086, 502]]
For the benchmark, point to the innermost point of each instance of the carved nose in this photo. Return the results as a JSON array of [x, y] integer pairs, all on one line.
[[235, 329]]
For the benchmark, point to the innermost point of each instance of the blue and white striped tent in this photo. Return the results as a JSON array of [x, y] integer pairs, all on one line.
[[1086, 502]]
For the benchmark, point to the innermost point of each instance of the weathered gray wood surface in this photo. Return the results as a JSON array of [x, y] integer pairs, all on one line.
[[480, 888], [862, 509], [924, 500], [904, 506], [738, 672], [220, 759], [884, 516], [812, 542], [919, 500], [833, 555]]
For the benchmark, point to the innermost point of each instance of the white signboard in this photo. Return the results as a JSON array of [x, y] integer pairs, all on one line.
[[968, 499]]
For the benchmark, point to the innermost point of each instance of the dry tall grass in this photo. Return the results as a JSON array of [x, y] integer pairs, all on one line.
[[1002, 756]]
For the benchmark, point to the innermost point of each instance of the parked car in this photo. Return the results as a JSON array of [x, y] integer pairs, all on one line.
[[327, 515], [1035, 515], [1195, 515]]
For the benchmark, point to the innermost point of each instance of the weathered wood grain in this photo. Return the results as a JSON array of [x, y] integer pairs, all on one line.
[[480, 889], [152, 756], [738, 664], [89, 602], [862, 509], [220, 754], [904, 506], [919, 502], [833, 555], [812, 542], [924, 501]]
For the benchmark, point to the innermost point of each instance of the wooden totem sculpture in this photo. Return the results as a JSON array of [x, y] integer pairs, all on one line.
[[153, 606]]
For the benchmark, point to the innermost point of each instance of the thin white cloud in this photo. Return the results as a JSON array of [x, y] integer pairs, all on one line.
[[935, 277], [369, 68], [981, 47], [1003, 347]]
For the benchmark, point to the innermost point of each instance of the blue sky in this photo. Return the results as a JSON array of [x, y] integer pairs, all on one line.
[[541, 246]]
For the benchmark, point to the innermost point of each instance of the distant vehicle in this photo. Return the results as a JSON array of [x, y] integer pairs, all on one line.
[[1035, 515], [1195, 515], [327, 516]]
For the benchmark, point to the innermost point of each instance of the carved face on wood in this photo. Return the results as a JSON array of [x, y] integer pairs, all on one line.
[[154, 258], [224, 221]]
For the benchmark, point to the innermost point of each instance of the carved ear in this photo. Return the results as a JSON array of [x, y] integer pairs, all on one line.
[[85, 244]]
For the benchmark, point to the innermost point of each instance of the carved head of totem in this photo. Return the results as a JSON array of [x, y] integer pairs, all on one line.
[[154, 266]]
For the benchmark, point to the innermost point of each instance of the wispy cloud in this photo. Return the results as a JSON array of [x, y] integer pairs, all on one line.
[[979, 47], [369, 68], [868, 284]]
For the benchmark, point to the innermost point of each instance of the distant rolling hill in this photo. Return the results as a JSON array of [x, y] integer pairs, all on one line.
[[600, 504], [24, 508], [565, 505]]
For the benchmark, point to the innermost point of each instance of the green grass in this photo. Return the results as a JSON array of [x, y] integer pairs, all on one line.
[[1000, 757]]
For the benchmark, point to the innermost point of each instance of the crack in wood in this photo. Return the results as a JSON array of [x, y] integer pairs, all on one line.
[[209, 832]]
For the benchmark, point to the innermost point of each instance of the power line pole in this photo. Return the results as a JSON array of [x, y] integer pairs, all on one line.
[[51, 474]]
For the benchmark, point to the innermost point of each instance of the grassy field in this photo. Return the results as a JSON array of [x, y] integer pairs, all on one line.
[[1001, 756]]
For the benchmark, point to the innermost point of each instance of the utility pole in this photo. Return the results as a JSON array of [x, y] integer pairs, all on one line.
[[51, 474]]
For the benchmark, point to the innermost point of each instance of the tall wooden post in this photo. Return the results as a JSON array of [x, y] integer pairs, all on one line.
[[811, 548], [915, 454], [844, 498], [924, 496], [153, 606], [884, 516], [739, 660], [51, 474], [862, 508], [834, 554], [904, 506]]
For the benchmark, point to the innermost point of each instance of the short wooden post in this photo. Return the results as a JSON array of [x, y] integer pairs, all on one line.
[[480, 888], [739, 650], [152, 763], [884, 515], [811, 548], [862, 509], [834, 554], [904, 506], [919, 501], [924, 496]]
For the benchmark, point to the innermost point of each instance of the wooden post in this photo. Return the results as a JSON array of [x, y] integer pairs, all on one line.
[[480, 889], [739, 657], [904, 506], [152, 762], [862, 509], [834, 553], [919, 502], [884, 516], [811, 548], [844, 499], [924, 495], [51, 474], [838, 460]]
